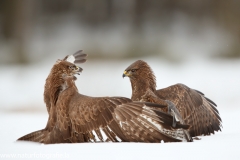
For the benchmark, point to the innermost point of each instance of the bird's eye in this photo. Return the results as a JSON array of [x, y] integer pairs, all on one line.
[[133, 70], [71, 67]]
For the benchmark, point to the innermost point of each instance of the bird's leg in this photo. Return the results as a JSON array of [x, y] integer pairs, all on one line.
[[174, 119], [149, 96], [174, 112]]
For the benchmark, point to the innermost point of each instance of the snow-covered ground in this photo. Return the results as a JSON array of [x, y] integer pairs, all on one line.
[[222, 145], [22, 89]]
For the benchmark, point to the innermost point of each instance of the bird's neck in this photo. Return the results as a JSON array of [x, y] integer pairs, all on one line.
[[51, 93], [140, 86], [65, 96], [53, 87], [69, 88], [57, 95]]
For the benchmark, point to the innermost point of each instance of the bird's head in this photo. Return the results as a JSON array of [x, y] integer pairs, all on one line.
[[55, 80], [68, 65], [136, 69], [140, 72], [67, 68]]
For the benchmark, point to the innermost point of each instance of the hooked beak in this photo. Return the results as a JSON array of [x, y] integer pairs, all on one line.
[[78, 70], [125, 74]]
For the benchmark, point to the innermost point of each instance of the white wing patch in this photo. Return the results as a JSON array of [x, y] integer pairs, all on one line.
[[70, 59], [105, 137]]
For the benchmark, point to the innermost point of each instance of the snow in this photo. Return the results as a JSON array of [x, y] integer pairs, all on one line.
[[22, 89], [222, 145]]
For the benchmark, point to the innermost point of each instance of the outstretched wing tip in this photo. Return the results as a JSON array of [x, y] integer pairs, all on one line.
[[76, 58], [80, 61]]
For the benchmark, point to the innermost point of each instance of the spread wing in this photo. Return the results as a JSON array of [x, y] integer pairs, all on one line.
[[196, 110], [119, 119]]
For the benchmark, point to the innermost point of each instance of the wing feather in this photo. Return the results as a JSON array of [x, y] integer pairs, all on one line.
[[95, 116], [78, 57], [195, 109], [120, 119]]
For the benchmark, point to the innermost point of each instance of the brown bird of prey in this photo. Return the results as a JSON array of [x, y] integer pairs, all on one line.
[[190, 106], [75, 118]]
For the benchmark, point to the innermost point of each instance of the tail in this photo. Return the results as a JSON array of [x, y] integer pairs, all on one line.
[[37, 136]]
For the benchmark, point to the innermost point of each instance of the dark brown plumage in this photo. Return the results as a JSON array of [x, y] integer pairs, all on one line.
[[75, 118], [195, 109]]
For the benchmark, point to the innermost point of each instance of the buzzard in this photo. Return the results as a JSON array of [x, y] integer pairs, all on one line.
[[76, 118], [54, 77], [194, 108]]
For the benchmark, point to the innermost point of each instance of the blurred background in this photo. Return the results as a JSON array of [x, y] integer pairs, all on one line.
[[192, 42]]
